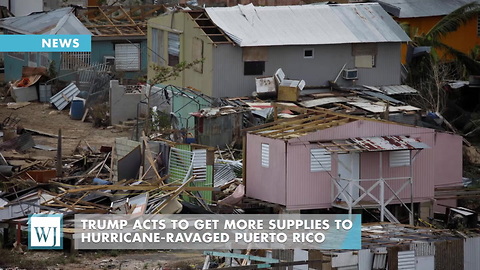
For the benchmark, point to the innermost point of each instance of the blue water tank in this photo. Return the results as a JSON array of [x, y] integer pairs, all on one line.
[[77, 110]]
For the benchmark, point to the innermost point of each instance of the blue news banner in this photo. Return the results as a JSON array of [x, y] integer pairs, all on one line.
[[286, 231], [45, 43]]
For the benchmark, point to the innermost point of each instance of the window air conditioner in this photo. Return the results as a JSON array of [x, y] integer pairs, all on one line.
[[350, 74], [109, 60]]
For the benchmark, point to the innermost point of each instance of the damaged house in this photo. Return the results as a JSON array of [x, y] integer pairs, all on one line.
[[118, 40], [325, 160], [355, 43]]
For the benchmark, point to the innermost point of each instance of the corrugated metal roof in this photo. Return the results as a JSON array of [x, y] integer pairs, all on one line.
[[64, 97], [249, 25], [398, 90], [374, 144], [389, 143], [60, 21], [421, 8], [322, 101]]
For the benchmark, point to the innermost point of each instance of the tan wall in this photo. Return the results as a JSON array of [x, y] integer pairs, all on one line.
[[183, 23]]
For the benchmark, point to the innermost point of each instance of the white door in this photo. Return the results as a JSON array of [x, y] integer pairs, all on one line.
[[349, 168]]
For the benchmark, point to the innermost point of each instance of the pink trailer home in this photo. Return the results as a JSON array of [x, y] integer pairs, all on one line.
[[324, 160]]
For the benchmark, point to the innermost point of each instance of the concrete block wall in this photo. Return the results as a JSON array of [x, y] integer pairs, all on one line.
[[123, 106], [123, 146]]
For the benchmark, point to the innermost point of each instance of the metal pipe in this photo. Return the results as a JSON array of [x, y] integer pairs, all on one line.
[[382, 190]]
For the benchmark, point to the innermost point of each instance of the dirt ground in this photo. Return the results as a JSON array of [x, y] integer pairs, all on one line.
[[45, 118], [113, 259]]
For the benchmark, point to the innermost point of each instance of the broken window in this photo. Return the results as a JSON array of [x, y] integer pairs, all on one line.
[[399, 158], [75, 60], [157, 53], [265, 155], [197, 54], [254, 60], [173, 49], [320, 160], [365, 55], [127, 57], [254, 68], [308, 53]]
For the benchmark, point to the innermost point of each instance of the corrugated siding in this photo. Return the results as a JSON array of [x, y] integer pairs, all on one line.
[[283, 255], [220, 131], [425, 172], [315, 71], [471, 259], [423, 248], [365, 259], [306, 189], [266, 184], [449, 255]]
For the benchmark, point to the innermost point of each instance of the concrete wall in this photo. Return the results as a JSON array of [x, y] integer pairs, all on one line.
[[23, 7], [123, 106], [327, 62]]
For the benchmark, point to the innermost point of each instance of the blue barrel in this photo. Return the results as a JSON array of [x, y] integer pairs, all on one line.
[[77, 110]]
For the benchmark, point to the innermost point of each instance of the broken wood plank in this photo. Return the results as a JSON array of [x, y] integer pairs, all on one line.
[[148, 154], [177, 192]]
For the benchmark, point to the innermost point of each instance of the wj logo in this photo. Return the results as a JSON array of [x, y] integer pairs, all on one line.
[[45, 231]]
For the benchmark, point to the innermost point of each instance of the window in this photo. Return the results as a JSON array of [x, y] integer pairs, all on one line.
[[365, 55], [254, 68], [197, 54], [127, 57], [400, 158], [157, 52], [320, 160], [173, 49], [32, 59], [75, 60], [308, 53], [18, 55], [44, 59], [265, 155]]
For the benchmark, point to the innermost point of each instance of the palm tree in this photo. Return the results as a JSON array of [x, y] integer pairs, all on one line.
[[424, 70]]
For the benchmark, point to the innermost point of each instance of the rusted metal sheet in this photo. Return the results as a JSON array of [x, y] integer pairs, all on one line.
[[449, 254], [389, 143]]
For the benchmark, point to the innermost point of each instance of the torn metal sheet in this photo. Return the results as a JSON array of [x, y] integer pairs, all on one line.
[[129, 165], [382, 97], [380, 107], [322, 101], [398, 90], [263, 112], [45, 147], [64, 97], [389, 143]]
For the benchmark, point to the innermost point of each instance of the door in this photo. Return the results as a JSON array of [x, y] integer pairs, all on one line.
[[349, 168]]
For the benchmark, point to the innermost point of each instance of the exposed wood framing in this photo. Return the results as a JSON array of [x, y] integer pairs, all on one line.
[[212, 31]]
